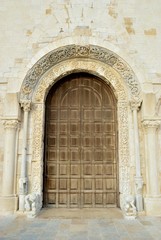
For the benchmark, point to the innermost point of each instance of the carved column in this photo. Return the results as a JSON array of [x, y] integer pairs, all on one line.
[[151, 148], [23, 181], [9, 157], [138, 178]]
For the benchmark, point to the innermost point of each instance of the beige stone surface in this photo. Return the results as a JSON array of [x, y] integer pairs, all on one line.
[[31, 29], [152, 206], [79, 214], [8, 205]]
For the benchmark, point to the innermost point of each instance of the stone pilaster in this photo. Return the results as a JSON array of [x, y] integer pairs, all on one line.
[[153, 198], [8, 201], [151, 148]]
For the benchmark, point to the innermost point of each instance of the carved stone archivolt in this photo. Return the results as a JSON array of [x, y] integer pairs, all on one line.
[[73, 52], [78, 65], [97, 61]]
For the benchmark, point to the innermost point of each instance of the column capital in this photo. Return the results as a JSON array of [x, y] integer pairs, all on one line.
[[154, 123], [135, 105], [26, 105], [11, 124]]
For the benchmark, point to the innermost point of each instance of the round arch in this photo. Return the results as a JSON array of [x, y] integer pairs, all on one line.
[[75, 58], [92, 52]]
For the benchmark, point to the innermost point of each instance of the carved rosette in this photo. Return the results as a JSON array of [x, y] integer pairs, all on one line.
[[11, 124], [73, 52]]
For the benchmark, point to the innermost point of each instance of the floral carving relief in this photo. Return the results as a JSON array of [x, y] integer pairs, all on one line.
[[69, 66], [73, 52], [37, 162], [123, 147]]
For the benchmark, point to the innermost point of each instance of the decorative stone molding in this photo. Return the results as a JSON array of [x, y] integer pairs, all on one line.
[[37, 163], [124, 173], [151, 123], [77, 51], [26, 105], [11, 124], [101, 70]]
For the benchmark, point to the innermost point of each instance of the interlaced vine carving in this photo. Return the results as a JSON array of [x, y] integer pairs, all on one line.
[[76, 51]]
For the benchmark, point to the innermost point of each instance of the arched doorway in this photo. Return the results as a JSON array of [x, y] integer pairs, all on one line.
[[60, 62], [81, 162]]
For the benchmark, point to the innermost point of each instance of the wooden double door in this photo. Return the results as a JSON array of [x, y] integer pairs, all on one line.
[[80, 168]]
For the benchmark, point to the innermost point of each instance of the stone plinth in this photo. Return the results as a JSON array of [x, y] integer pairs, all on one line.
[[153, 206], [8, 204]]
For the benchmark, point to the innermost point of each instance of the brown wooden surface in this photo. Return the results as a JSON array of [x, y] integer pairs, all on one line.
[[80, 144]]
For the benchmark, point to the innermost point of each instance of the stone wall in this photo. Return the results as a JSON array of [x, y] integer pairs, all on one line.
[[30, 29], [29, 26]]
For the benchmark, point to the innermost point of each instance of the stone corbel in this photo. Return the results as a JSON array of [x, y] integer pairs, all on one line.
[[135, 105]]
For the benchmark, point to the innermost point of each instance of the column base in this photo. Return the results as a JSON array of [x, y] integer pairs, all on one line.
[[152, 206], [8, 205]]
